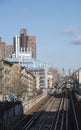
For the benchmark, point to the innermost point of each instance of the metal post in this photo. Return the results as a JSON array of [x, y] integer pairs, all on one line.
[[1, 68], [46, 75]]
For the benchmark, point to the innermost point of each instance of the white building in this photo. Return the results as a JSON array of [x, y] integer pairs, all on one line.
[[38, 68]]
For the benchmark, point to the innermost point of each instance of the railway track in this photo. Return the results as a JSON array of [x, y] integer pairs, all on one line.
[[28, 118], [75, 113], [49, 117], [58, 113]]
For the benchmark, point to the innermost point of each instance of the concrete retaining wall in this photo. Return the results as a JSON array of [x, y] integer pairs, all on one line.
[[29, 104], [9, 111]]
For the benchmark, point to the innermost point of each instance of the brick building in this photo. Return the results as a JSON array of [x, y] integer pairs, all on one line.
[[8, 50], [5, 50], [2, 50], [25, 43]]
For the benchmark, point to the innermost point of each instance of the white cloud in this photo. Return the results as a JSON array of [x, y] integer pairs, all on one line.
[[77, 41], [69, 31]]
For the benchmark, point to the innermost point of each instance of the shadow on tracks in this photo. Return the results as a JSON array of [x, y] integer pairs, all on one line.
[[52, 120], [44, 119]]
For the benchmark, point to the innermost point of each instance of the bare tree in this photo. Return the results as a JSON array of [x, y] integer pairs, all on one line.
[[16, 75], [24, 81], [6, 79]]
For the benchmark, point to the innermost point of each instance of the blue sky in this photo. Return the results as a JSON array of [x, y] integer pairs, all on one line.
[[55, 23]]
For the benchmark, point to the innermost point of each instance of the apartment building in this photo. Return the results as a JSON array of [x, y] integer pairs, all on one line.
[[8, 50], [2, 50], [25, 43], [17, 79], [5, 50]]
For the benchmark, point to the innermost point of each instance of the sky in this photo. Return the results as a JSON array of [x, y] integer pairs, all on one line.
[[55, 23]]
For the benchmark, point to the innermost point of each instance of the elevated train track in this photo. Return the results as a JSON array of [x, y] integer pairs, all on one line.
[[56, 113]]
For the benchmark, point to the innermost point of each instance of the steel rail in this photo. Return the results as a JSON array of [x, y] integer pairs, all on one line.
[[46, 116], [67, 114], [55, 116], [62, 121], [20, 123], [74, 114], [28, 125], [59, 112]]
